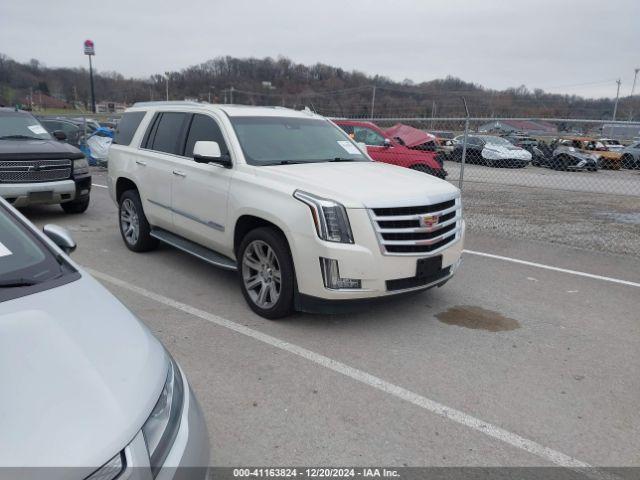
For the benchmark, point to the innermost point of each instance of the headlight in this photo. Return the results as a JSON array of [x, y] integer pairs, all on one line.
[[161, 427], [80, 166], [329, 217]]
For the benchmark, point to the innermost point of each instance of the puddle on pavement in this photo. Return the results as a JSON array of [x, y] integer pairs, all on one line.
[[477, 318]]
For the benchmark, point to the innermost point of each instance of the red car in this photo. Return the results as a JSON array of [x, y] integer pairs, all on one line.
[[381, 148]]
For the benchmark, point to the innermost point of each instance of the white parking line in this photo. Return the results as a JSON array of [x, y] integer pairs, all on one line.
[[98, 185], [432, 406], [555, 269]]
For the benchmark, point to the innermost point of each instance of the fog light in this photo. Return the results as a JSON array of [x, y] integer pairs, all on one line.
[[331, 276]]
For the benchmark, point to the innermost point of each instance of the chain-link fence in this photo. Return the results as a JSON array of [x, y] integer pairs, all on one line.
[[575, 182], [563, 154]]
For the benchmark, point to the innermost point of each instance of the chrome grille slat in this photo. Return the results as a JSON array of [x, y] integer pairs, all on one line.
[[27, 171], [418, 229], [406, 230], [416, 216]]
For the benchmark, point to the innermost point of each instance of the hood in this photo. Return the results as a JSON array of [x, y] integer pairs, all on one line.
[[79, 374], [361, 184], [412, 137], [509, 151], [37, 150]]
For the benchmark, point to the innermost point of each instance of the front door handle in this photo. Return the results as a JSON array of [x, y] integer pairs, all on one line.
[[141, 163], [179, 173]]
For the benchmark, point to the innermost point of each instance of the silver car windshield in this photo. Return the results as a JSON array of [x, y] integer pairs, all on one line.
[[286, 140], [26, 264]]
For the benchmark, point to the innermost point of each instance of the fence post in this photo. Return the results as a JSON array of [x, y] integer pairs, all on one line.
[[464, 144]]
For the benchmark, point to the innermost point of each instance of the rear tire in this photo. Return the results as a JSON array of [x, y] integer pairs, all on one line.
[[76, 206], [266, 273], [134, 227]]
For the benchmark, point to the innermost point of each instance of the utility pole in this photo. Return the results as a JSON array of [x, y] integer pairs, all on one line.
[[433, 112], [615, 106], [373, 101], [633, 89], [231, 95], [166, 76]]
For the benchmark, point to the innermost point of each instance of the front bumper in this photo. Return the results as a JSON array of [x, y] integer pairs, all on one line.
[[46, 193], [364, 261], [189, 455]]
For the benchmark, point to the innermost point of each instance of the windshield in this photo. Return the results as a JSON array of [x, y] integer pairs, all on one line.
[[282, 140], [26, 264], [498, 141], [21, 126]]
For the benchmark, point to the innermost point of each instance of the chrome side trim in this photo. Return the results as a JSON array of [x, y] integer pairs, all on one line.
[[207, 223]]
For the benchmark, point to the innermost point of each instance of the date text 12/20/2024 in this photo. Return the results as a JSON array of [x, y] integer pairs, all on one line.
[[364, 472]]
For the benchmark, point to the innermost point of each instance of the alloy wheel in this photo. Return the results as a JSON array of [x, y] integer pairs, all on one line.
[[261, 274], [129, 222]]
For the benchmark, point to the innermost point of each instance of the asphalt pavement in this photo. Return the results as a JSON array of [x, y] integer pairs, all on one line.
[[509, 364]]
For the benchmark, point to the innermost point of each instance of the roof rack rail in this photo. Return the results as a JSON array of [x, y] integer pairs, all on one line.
[[167, 102]]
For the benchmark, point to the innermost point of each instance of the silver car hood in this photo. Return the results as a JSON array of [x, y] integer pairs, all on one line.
[[79, 374]]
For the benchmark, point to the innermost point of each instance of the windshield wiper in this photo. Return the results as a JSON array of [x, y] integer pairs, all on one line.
[[342, 159], [18, 282], [284, 162], [19, 137]]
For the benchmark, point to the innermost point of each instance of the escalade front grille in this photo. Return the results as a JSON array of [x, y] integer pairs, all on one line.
[[28, 171], [419, 229]]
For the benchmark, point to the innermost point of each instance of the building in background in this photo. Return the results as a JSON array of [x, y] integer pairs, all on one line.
[[531, 127], [110, 107]]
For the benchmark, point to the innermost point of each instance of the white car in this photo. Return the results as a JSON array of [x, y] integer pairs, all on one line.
[[88, 392], [611, 144], [286, 198], [492, 151]]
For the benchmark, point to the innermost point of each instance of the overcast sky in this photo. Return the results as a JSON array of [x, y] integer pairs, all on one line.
[[568, 46]]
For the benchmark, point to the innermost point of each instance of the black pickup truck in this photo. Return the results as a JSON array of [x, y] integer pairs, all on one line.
[[37, 167]]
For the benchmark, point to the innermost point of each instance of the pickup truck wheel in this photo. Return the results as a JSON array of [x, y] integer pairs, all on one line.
[[76, 206], [134, 227], [266, 273]]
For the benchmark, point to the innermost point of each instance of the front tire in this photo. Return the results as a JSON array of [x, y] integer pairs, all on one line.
[[134, 227], [266, 273], [76, 206]]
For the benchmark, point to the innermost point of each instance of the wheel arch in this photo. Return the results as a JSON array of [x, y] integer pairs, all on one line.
[[122, 185], [250, 221]]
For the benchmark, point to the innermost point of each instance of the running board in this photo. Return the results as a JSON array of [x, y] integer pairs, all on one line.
[[203, 253]]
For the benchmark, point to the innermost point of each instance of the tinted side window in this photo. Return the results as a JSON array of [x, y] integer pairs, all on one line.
[[204, 128], [127, 127], [168, 132]]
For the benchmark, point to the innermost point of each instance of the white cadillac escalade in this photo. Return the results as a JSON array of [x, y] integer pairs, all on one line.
[[287, 199]]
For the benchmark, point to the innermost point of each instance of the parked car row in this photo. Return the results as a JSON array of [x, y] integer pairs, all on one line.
[[565, 153]]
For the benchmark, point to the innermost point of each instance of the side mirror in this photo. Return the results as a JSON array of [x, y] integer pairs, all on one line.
[[387, 142], [61, 237], [59, 135], [209, 152]]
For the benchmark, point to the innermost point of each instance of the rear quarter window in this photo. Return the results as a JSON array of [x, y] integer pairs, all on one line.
[[127, 127]]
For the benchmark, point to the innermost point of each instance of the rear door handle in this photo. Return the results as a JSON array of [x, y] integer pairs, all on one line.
[[179, 173], [141, 163]]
